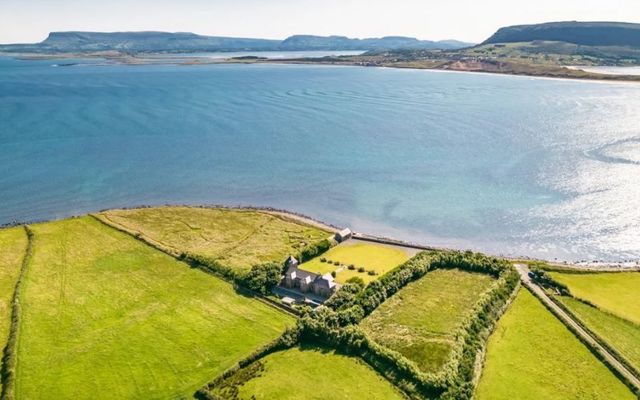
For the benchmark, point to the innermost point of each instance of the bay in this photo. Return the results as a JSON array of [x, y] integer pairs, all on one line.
[[503, 164]]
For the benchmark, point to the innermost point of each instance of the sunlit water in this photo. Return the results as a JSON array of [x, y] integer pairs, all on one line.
[[507, 165]]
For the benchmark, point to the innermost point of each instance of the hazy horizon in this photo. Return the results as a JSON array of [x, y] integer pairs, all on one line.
[[30, 21]]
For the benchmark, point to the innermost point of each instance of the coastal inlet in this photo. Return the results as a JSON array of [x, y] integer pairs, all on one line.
[[504, 164]]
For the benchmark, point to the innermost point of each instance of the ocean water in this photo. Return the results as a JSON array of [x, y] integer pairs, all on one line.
[[507, 165]]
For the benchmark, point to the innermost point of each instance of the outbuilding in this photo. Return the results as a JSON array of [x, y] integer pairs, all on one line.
[[288, 301], [343, 235]]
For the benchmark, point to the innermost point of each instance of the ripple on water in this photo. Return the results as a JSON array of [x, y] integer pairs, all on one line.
[[626, 151]]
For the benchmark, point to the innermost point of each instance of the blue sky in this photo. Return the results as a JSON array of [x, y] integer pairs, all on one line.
[[470, 20]]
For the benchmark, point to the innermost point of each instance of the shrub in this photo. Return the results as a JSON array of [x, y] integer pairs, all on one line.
[[351, 267], [333, 273], [345, 297], [323, 259], [542, 278], [337, 263], [361, 269], [262, 277], [314, 250], [356, 280], [371, 272], [336, 324]]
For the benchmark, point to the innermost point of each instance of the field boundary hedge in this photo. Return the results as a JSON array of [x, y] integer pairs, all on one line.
[[205, 264], [482, 352], [596, 353], [543, 278], [287, 340], [10, 353], [610, 348], [336, 326]]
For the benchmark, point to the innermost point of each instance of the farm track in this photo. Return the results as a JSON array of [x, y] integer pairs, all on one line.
[[593, 343]]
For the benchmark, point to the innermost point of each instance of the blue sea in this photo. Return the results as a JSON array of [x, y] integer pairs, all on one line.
[[503, 164]]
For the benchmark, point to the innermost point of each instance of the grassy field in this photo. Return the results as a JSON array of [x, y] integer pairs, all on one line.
[[617, 293], [419, 321], [623, 335], [107, 317], [236, 238], [310, 374], [533, 356], [371, 256], [13, 243]]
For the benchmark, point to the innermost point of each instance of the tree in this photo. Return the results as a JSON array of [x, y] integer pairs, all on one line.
[[263, 277], [356, 280]]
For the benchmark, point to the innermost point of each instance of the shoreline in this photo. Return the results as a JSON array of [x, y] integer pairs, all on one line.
[[192, 60], [607, 79], [592, 266]]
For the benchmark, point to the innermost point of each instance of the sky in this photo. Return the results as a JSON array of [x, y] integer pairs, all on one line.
[[28, 21]]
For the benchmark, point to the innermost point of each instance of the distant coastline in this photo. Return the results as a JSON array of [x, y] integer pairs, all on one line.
[[528, 70], [548, 50], [335, 59]]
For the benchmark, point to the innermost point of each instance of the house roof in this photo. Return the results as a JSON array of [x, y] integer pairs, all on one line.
[[307, 276], [325, 281], [344, 233]]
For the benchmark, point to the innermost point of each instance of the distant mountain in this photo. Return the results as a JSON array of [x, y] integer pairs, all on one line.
[[148, 42], [308, 42], [580, 33], [134, 42]]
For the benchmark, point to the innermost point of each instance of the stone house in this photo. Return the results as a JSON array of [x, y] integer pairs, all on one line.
[[308, 282]]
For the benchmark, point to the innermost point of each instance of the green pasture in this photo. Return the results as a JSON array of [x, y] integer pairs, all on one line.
[[308, 374], [622, 335], [532, 356], [235, 238], [370, 256], [617, 293], [13, 244], [420, 320], [105, 316]]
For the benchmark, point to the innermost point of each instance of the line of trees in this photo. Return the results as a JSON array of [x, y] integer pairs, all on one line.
[[335, 325]]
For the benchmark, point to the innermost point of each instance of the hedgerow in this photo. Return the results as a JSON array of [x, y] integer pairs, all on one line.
[[541, 277], [259, 279], [315, 249], [335, 325], [285, 341], [9, 357]]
